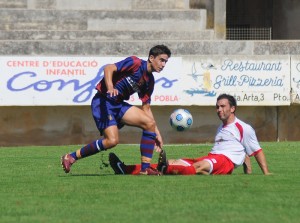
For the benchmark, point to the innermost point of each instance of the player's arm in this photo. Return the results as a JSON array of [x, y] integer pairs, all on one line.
[[159, 142], [247, 165], [253, 149], [109, 71], [262, 162]]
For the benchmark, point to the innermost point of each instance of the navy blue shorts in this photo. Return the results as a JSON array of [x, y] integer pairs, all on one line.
[[107, 112]]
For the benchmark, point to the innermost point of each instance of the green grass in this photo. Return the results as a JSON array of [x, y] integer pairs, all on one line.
[[33, 188]]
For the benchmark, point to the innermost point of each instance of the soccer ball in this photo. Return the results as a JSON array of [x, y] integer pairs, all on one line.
[[181, 119]]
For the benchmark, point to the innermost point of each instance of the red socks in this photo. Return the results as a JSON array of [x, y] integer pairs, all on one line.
[[136, 169], [172, 169]]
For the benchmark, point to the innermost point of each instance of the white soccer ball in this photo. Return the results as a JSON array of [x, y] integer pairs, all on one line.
[[181, 119]]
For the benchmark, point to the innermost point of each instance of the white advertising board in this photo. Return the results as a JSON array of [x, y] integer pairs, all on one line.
[[54, 81], [50, 81], [295, 79], [255, 80]]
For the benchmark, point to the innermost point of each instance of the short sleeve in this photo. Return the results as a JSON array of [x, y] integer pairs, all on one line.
[[250, 141]]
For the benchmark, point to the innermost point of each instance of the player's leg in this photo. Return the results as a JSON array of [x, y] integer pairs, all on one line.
[[119, 167], [203, 167], [175, 166], [180, 167], [214, 164], [135, 169], [211, 164], [138, 118], [188, 167], [107, 126], [163, 163], [110, 139]]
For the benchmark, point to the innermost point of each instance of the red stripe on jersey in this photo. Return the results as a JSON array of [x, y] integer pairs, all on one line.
[[241, 130], [134, 66]]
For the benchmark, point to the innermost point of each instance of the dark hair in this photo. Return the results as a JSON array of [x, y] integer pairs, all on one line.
[[229, 97], [158, 50]]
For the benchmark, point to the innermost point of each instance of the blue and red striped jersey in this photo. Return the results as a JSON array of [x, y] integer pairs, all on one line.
[[131, 77]]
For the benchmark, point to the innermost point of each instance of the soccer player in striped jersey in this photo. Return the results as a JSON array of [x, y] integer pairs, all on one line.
[[111, 111], [235, 141]]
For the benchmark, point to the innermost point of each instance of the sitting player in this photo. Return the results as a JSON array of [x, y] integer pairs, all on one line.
[[164, 166], [234, 142]]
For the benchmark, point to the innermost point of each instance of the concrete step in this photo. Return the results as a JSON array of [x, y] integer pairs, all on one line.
[[21, 4], [141, 48], [95, 4], [106, 35], [121, 4], [137, 20]]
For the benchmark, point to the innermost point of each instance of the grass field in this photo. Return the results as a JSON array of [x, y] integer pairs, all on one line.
[[35, 189]]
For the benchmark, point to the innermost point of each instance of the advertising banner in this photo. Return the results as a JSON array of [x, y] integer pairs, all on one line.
[[195, 80], [50, 81], [295, 79], [255, 80]]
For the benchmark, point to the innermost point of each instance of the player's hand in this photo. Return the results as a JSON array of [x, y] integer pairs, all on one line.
[[158, 149], [112, 92], [158, 144]]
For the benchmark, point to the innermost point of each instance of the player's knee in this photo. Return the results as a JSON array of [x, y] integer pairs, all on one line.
[[150, 125], [202, 170], [111, 142], [202, 167]]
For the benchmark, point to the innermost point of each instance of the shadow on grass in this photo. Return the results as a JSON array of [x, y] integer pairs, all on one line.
[[86, 175]]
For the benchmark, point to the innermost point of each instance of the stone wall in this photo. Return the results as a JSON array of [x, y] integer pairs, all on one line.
[[74, 125]]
